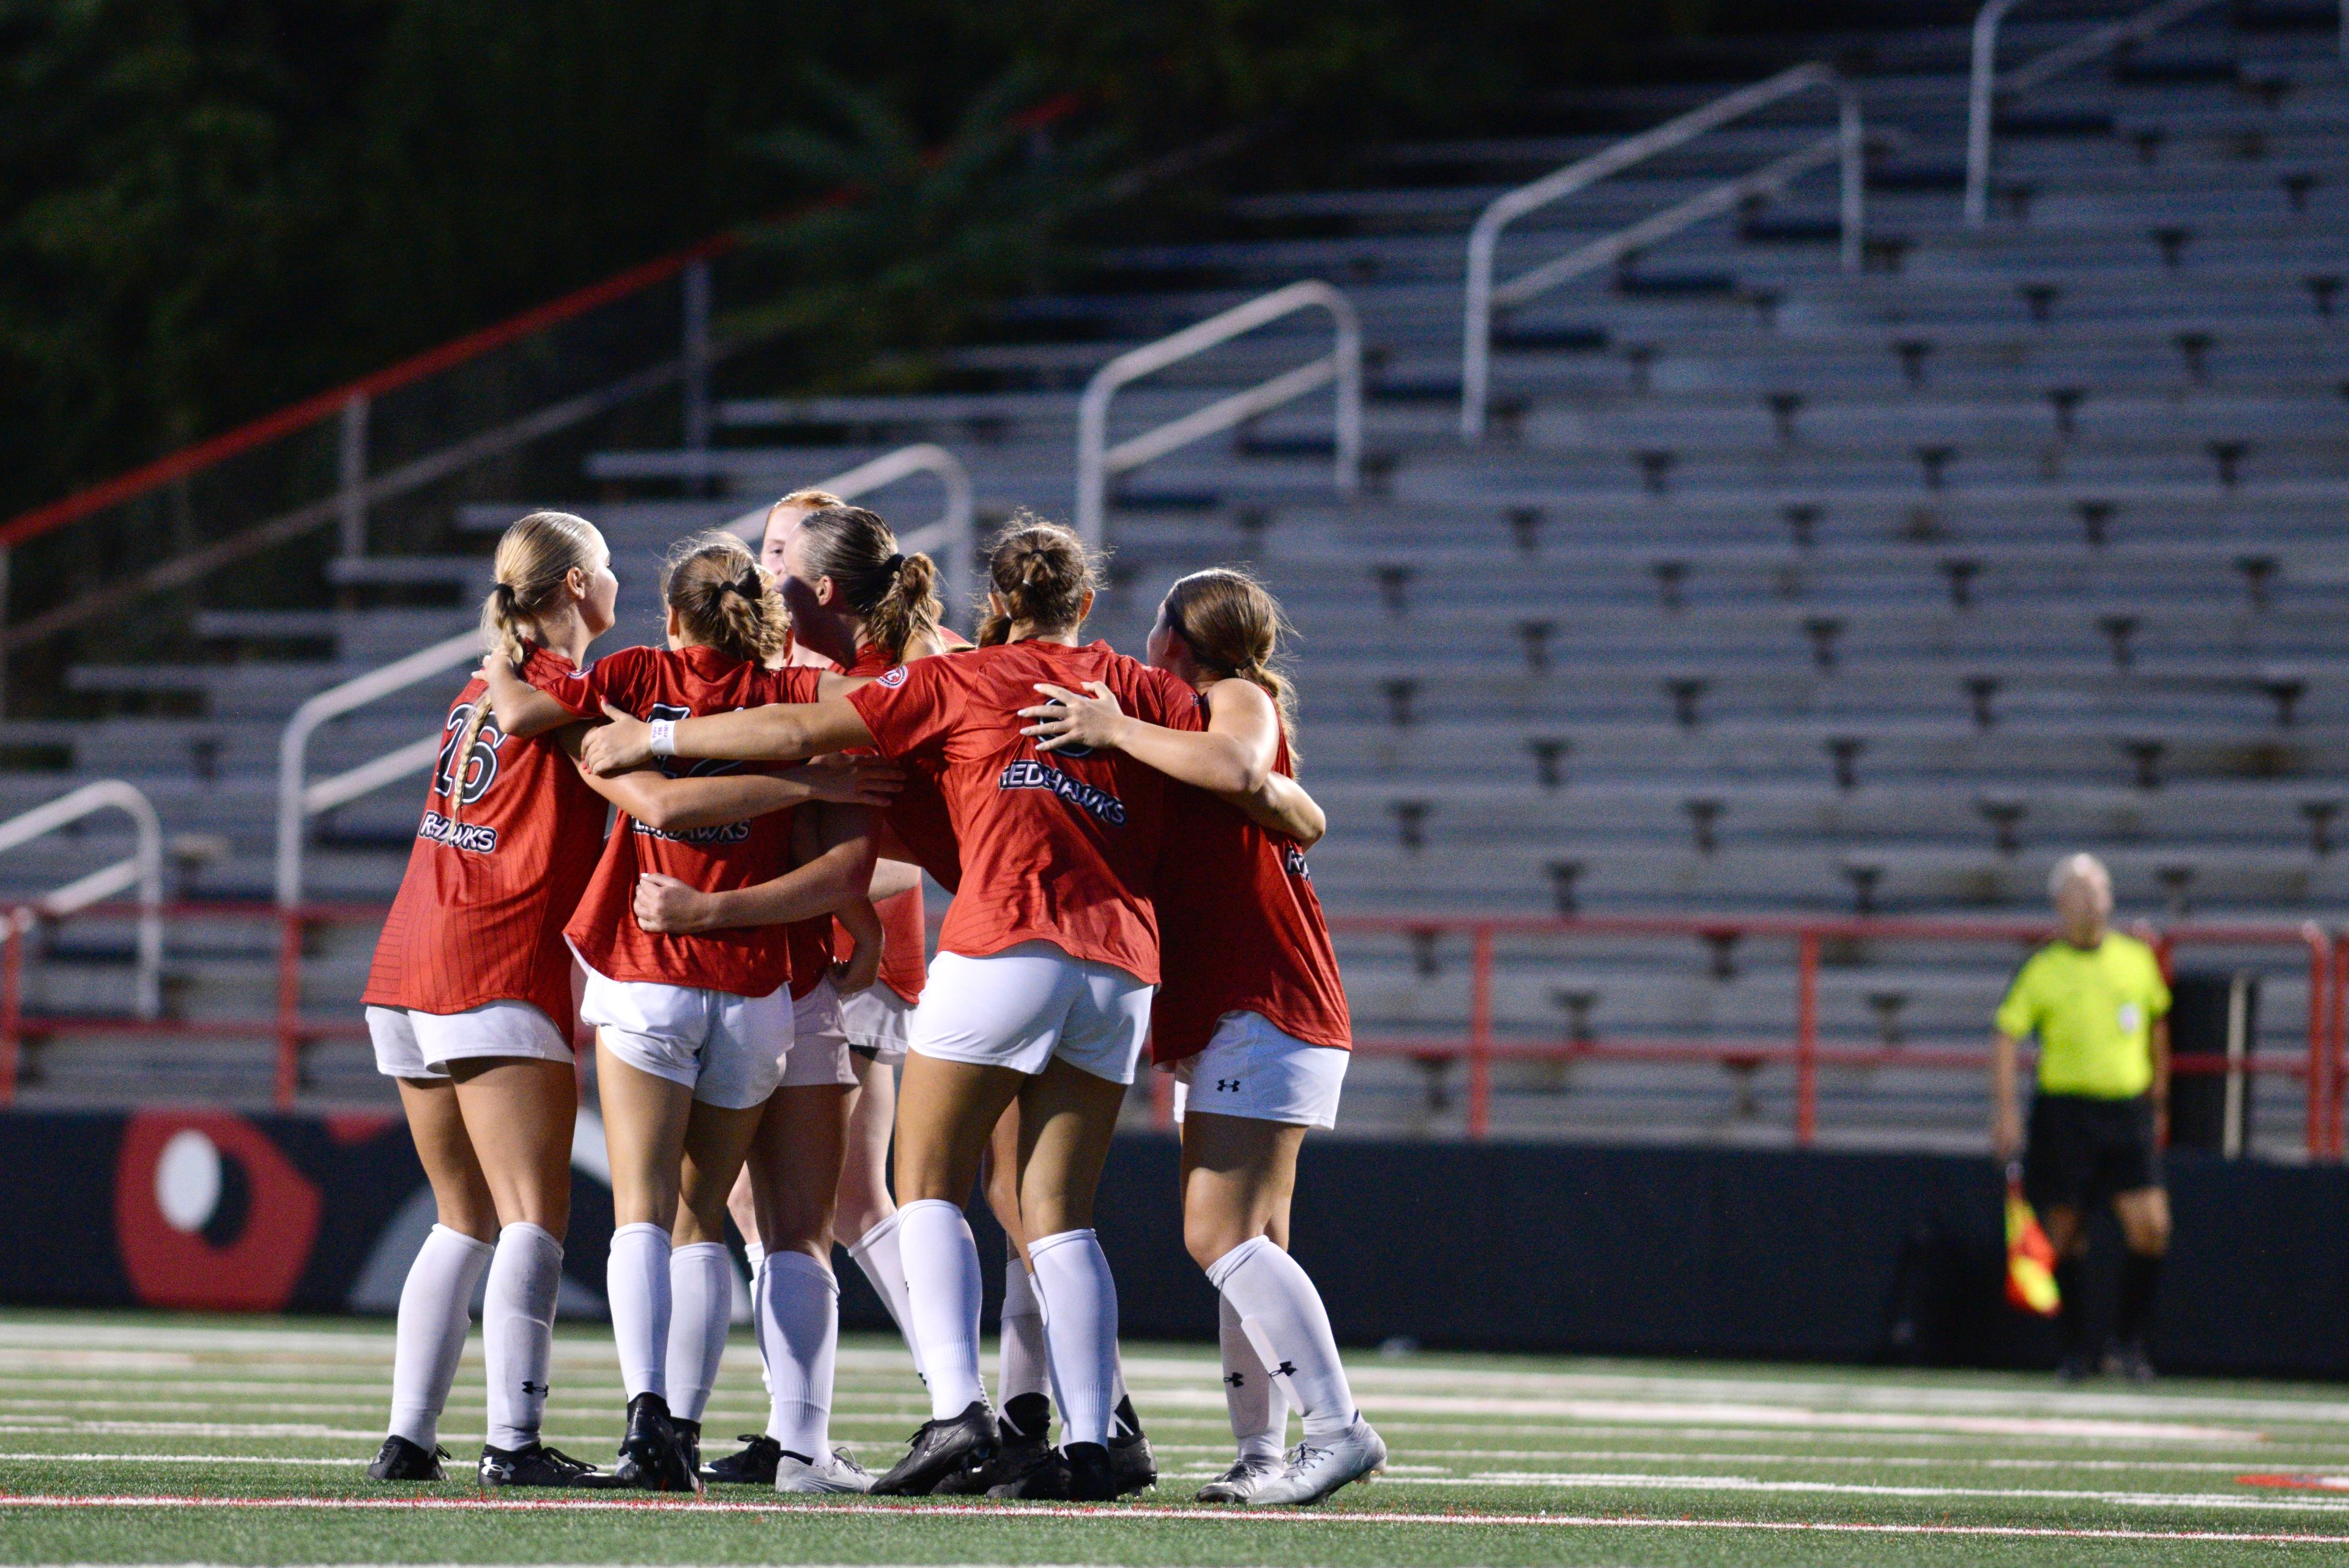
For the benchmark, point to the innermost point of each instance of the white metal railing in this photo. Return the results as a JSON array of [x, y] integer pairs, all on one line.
[[298, 800], [1098, 462], [1984, 85], [950, 536], [144, 870], [1843, 145]]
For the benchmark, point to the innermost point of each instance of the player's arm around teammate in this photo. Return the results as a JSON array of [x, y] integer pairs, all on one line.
[[1251, 1018], [470, 1005]]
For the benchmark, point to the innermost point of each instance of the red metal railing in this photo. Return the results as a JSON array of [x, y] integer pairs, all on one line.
[[2327, 955], [286, 1024], [2328, 975]]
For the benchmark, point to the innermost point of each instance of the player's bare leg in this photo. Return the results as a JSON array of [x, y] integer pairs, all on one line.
[[520, 1114], [946, 1113], [795, 1166], [435, 1302], [1239, 1174]]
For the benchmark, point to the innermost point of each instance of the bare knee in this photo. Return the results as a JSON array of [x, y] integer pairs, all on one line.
[[1209, 1236], [466, 1208]]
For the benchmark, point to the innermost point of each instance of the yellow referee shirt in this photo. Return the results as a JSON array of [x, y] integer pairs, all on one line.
[[2093, 1011]]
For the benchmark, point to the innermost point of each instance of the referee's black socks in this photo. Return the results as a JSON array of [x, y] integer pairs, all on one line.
[[2140, 1281]]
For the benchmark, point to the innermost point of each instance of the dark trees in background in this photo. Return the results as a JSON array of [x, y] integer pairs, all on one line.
[[210, 207]]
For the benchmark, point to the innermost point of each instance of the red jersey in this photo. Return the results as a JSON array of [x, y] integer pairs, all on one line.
[[499, 865], [1240, 929], [904, 924], [1055, 846], [746, 960]]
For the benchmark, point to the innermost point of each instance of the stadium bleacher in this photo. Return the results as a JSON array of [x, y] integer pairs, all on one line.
[[1774, 589]]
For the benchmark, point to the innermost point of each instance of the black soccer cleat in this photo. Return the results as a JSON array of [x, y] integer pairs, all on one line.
[[941, 1448], [1092, 1474], [1032, 1470], [651, 1456], [1021, 1434], [401, 1460], [688, 1438], [1129, 1451], [754, 1466], [536, 1465]]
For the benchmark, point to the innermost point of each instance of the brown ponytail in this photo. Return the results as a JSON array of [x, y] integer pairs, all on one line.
[[723, 598], [1233, 626], [1041, 572], [895, 595], [535, 558]]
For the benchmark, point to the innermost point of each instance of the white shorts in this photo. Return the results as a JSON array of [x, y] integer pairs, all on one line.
[[819, 1046], [411, 1044], [728, 1050], [878, 1023], [1251, 1069], [1024, 1006]]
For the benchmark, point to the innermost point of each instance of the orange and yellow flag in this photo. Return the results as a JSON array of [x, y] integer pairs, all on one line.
[[2030, 1256]]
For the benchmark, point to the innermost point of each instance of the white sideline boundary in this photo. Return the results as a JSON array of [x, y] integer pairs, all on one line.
[[1115, 1512]]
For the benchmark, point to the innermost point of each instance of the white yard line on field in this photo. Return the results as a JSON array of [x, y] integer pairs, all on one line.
[[1605, 1481], [1116, 1513]]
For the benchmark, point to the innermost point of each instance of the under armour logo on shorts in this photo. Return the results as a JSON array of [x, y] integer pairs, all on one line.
[[1227, 1085]]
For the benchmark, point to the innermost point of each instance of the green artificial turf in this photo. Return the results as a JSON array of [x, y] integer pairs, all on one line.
[[1496, 1460]]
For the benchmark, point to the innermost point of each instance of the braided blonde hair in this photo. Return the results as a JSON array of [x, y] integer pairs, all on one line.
[[535, 558]]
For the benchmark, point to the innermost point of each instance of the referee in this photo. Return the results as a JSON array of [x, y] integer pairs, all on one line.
[[2098, 1002]]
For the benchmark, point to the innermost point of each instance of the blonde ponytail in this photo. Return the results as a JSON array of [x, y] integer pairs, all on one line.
[[534, 558], [895, 595]]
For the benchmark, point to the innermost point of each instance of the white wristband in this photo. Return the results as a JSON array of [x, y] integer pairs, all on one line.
[[664, 741]]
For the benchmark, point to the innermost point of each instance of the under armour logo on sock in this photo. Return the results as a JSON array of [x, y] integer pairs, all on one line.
[[1234, 1380], [537, 1389], [1227, 1085], [1285, 1369]]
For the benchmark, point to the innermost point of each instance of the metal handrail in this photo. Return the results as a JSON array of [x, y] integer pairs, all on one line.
[[299, 800], [144, 870], [1098, 462], [951, 534], [1843, 146], [1983, 85]]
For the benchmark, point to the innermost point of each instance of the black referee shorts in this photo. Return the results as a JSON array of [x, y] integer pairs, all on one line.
[[2082, 1152]]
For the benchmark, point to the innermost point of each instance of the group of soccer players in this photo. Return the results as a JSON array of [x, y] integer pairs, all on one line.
[[1125, 843]]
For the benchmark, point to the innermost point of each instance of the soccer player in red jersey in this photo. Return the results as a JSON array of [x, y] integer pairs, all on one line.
[[470, 1004], [693, 1029], [857, 603], [1041, 992], [1250, 1017]]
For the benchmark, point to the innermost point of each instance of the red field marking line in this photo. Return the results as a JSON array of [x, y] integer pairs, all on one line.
[[2297, 1484], [1116, 1511]]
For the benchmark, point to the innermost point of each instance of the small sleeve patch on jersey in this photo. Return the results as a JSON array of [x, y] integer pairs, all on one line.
[[893, 678]]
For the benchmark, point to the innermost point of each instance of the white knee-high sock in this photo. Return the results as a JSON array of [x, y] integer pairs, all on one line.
[[701, 1305], [756, 1256], [799, 1324], [1259, 1411], [877, 1252], [636, 1282], [436, 1308], [1079, 1299], [1023, 1367], [1276, 1300], [943, 1293], [518, 1331]]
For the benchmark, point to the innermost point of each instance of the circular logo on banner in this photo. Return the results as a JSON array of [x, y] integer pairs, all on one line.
[[208, 1213]]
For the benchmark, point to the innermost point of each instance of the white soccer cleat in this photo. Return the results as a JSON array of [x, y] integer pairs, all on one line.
[[1243, 1480], [1318, 1468], [838, 1473]]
